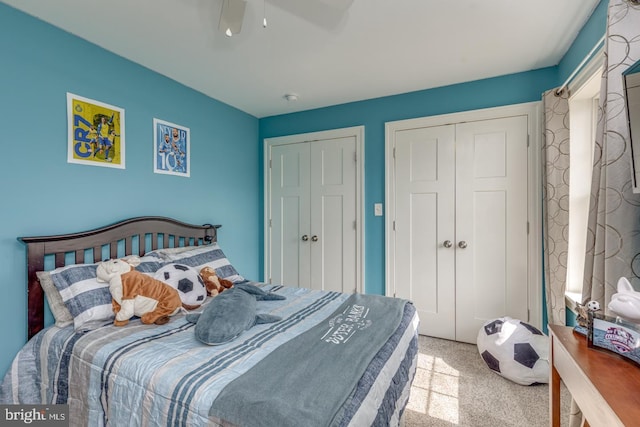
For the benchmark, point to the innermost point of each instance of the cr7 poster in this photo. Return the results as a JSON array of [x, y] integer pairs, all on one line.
[[96, 133]]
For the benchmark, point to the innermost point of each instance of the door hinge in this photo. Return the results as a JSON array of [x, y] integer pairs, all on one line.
[[355, 157], [528, 137], [527, 227], [269, 280], [394, 152], [394, 226], [270, 163], [270, 223], [528, 315], [355, 225]]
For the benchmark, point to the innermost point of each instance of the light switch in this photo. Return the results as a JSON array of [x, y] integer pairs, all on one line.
[[377, 209]]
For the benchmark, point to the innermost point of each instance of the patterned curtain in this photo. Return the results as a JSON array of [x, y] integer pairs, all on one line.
[[613, 240], [555, 193]]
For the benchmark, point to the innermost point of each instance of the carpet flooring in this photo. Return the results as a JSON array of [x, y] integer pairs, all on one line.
[[454, 387]]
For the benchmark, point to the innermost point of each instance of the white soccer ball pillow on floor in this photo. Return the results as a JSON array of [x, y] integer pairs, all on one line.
[[187, 281], [515, 350]]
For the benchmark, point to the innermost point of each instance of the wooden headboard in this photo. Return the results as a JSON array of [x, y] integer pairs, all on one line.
[[119, 240]]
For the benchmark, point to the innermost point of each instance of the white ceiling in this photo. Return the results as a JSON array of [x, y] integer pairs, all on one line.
[[326, 51]]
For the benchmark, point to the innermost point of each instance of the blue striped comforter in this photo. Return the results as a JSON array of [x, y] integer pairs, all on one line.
[[150, 375]]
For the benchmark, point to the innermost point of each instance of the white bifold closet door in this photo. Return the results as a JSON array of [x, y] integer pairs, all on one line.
[[425, 218], [313, 214], [461, 232]]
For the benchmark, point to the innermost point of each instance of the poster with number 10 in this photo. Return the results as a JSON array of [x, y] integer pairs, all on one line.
[[171, 148]]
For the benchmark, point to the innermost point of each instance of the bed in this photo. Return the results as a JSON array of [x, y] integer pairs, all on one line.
[[332, 359]]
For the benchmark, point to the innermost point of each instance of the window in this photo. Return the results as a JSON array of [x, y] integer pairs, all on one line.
[[583, 110]]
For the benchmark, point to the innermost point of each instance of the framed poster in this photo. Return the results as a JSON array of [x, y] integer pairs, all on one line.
[[95, 133], [171, 148]]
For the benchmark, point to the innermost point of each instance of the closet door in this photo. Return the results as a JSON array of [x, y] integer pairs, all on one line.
[[333, 215], [425, 225], [460, 246], [313, 208], [290, 219], [491, 223]]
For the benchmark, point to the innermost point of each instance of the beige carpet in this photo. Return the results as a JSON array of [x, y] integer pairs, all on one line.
[[454, 387]]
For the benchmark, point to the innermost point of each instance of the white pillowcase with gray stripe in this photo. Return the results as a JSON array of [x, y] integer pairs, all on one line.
[[89, 301]]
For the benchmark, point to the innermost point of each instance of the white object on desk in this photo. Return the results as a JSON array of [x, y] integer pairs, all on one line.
[[626, 302]]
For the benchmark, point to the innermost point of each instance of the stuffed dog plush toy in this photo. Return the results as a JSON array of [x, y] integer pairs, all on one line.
[[214, 284], [136, 294]]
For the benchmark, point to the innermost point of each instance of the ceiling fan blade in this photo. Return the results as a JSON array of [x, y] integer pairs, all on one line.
[[231, 16], [324, 13]]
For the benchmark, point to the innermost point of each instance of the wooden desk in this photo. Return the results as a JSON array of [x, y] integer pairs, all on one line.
[[606, 386]]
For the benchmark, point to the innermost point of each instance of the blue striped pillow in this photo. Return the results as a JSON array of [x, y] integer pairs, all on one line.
[[199, 257], [88, 300]]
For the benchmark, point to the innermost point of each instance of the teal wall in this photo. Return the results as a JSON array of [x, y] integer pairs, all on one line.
[[43, 194], [570, 318], [587, 38]]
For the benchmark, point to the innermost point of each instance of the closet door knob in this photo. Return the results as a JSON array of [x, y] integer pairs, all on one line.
[[314, 238], [462, 244], [447, 244], [305, 238]]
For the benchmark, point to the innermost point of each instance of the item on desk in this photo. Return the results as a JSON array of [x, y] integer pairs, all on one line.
[[582, 316], [593, 305], [614, 334], [626, 302]]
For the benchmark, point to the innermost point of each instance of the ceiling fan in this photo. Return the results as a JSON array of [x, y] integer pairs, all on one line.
[[322, 12], [232, 15]]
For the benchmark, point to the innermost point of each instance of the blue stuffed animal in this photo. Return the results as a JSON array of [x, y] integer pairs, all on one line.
[[231, 313]]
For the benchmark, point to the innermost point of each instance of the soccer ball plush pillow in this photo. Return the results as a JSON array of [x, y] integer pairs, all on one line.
[[187, 281], [515, 350]]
